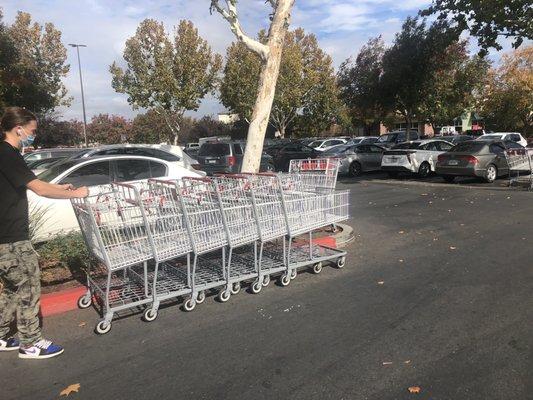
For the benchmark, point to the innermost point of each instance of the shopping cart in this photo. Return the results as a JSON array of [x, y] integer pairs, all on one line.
[[116, 236], [163, 217], [316, 175]]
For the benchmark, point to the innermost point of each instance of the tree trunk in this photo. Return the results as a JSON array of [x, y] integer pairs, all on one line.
[[267, 87]]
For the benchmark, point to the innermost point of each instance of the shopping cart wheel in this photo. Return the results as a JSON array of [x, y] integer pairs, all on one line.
[[285, 279], [256, 287], [266, 280], [84, 301], [189, 305], [293, 274], [103, 327], [317, 268], [150, 315], [201, 297], [341, 262], [236, 288], [224, 295]]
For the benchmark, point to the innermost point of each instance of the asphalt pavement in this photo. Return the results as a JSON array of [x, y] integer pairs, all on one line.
[[436, 295]]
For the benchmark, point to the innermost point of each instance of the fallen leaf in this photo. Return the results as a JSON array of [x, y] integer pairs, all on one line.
[[82, 324], [387, 363], [407, 362], [400, 260], [381, 282], [453, 248], [423, 194], [400, 232], [414, 389], [75, 387]]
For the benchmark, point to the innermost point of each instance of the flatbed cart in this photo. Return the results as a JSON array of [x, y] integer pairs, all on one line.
[[115, 235]]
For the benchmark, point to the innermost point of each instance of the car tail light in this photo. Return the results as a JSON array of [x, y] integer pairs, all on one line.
[[471, 160], [442, 158], [232, 160]]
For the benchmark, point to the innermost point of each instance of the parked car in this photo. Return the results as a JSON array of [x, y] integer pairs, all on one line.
[[505, 136], [363, 140], [456, 138], [161, 151], [418, 157], [39, 166], [391, 139], [447, 130], [356, 159], [94, 172], [326, 144], [41, 154], [226, 157], [292, 151], [478, 158]]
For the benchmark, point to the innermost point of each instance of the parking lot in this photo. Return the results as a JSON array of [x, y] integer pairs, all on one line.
[[436, 294]]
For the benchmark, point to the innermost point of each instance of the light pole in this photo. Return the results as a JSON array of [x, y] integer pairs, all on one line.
[[77, 46]]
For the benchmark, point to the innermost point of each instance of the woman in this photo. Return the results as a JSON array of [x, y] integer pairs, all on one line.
[[19, 267]]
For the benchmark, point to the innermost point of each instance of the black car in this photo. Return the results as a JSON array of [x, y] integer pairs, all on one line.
[[390, 139], [226, 157], [292, 151]]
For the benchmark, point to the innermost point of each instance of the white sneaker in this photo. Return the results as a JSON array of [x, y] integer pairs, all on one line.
[[42, 349], [9, 344]]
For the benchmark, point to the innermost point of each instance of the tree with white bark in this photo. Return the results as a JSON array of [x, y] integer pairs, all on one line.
[[270, 54], [169, 75]]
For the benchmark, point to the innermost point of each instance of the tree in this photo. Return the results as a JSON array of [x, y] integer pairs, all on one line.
[[409, 65], [306, 90], [168, 76], [456, 84], [359, 82], [508, 100], [108, 129], [270, 54], [488, 19], [32, 64], [53, 132]]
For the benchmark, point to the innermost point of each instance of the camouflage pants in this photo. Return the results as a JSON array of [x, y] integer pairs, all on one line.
[[21, 280]]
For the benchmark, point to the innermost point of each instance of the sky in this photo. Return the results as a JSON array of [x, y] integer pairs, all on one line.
[[342, 27]]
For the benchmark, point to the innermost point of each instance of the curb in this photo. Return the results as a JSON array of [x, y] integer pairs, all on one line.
[[67, 300]]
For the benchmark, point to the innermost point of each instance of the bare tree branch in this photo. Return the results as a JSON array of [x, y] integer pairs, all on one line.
[[229, 13]]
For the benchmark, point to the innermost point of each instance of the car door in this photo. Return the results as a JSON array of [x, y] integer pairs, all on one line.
[[238, 154], [59, 216], [498, 151], [375, 156], [364, 156]]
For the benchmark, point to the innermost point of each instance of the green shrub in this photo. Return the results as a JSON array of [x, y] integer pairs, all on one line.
[[64, 258]]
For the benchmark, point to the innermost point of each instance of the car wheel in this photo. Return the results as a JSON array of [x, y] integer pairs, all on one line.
[[270, 168], [424, 170], [355, 169], [449, 178], [491, 173]]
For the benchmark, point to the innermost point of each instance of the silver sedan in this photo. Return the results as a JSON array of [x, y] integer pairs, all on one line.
[[356, 159]]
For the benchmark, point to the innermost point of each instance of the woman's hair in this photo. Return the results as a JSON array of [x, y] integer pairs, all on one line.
[[14, 116]]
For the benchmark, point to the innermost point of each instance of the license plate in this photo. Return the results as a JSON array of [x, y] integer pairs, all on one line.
[[453, 162], [211, 161]]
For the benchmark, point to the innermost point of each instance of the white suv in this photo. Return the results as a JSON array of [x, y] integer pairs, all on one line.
[[505, 136]]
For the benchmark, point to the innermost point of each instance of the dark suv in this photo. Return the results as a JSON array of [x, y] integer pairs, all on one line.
[[226, 157], [390, 139]]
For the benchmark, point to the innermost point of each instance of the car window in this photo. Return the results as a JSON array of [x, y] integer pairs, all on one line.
[[335, 142], [149, 152], [514, 137], [375, 149], [363, 149], [157, 169], [109, 152], [237, 149], [132, 170], [96, 173], [214, 149], [496, 148], [468, 147], [292, 147], [443, 146], [431, 146], [407, 146]]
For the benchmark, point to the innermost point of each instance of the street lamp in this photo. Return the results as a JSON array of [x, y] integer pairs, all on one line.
[[77, 46]]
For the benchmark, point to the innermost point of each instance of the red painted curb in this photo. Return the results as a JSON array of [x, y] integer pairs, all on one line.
[[67, 300], [60, 302]]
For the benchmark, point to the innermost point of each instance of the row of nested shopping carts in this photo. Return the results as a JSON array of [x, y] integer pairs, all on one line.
[[167, 239]]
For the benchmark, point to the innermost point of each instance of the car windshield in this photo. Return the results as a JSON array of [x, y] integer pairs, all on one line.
[[56, 170], [315, 144], [467, 147], [390, 137], [214, 149], [407, 146], [337, 150]]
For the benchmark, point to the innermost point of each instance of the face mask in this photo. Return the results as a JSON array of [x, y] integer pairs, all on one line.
[[28, 140]]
